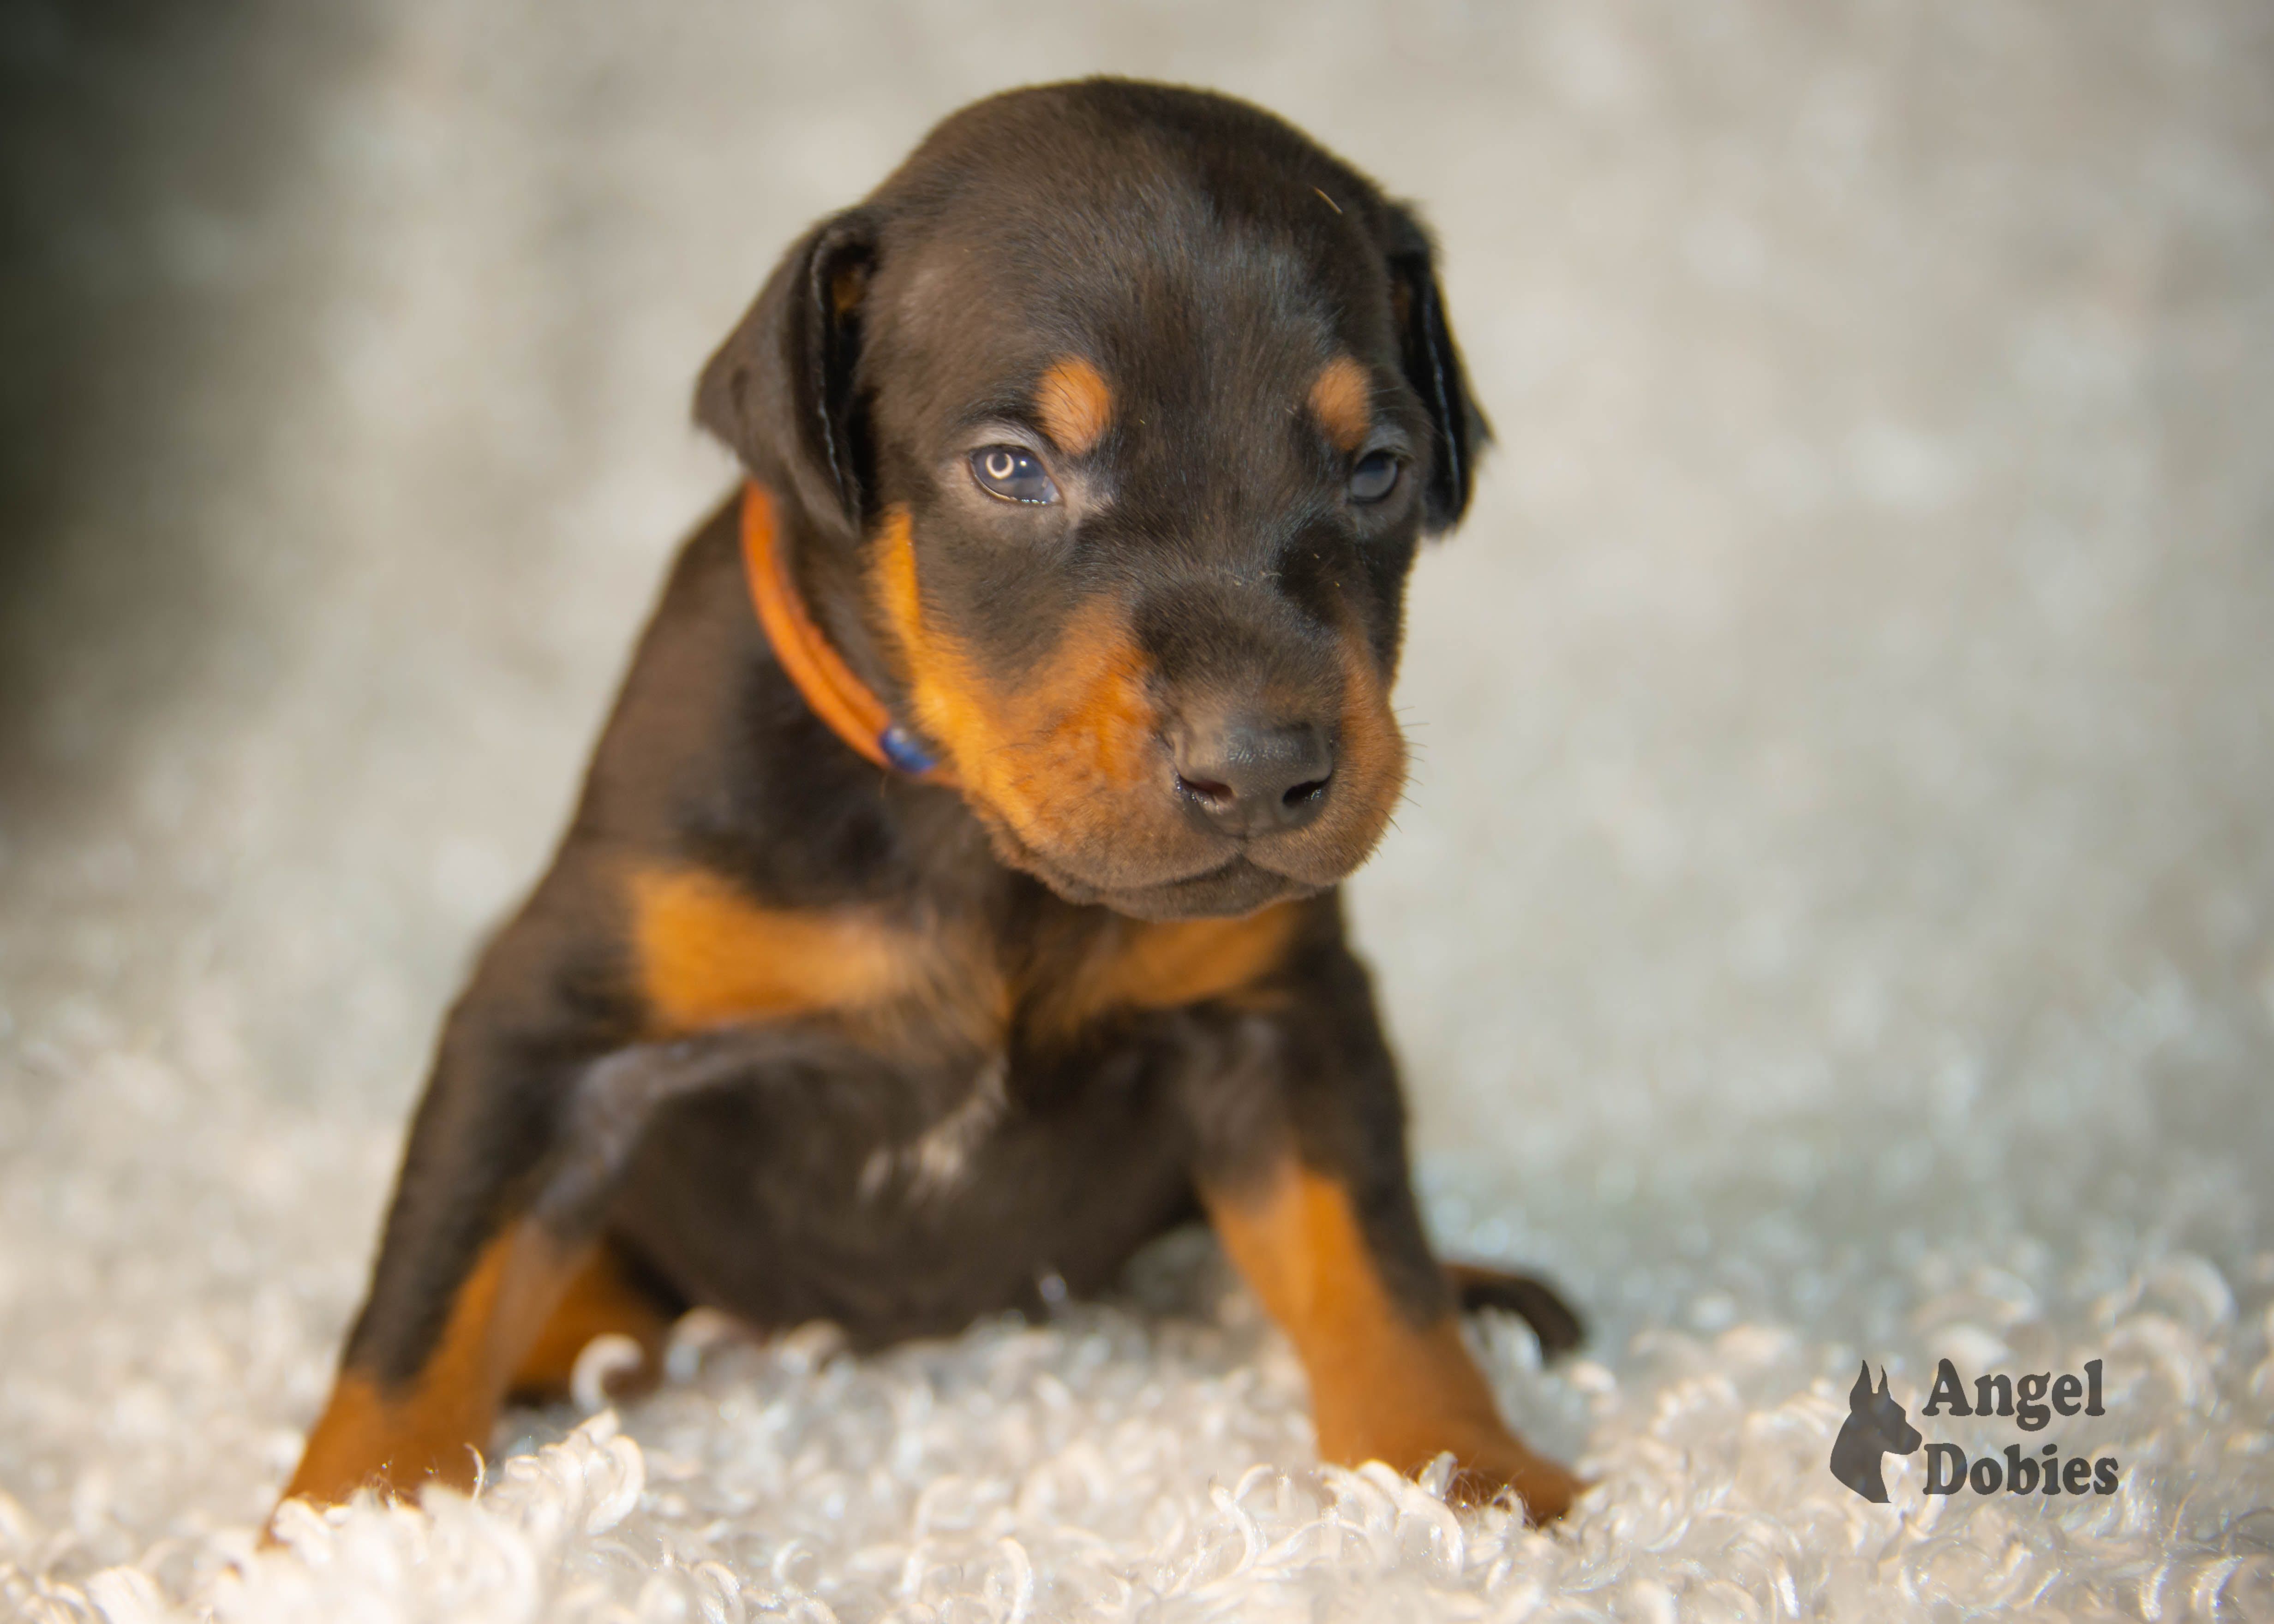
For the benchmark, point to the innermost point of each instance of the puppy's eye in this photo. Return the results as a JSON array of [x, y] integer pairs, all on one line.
[[1374, 477], [1012, 474]]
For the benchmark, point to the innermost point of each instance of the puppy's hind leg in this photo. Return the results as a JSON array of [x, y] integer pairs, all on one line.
[[611, 1294]]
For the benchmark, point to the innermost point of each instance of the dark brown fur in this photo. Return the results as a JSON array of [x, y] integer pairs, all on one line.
[[787, 1035]]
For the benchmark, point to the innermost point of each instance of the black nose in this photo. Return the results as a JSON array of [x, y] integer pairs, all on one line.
[[1248, 778]]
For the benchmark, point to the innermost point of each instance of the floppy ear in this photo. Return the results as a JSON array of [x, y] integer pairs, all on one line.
[[1432, 363], [780, 392]]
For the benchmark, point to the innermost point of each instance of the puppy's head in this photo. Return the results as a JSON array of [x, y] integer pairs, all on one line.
[[1106, 431]]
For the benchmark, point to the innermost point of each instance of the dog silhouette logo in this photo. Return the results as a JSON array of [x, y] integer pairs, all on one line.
[[1876, 1428]]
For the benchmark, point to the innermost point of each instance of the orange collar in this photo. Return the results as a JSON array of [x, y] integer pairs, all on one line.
[[854, 713]]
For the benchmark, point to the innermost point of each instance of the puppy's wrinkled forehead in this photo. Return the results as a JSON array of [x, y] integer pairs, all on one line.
[[1216, 273], [1077, 307]]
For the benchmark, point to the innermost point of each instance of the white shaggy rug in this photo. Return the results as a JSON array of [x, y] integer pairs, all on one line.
[[1835, 920]]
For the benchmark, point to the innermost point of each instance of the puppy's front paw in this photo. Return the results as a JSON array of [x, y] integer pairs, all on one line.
[[1485, 1466], [1486, 1458]]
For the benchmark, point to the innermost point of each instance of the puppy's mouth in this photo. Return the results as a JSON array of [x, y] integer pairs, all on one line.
[[1239, 885], [1235, 888], [1224, 880]]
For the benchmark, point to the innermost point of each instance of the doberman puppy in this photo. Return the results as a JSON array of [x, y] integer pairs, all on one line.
[[951, 906]]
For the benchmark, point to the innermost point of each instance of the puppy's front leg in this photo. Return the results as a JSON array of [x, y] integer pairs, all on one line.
[[392, 1421], [493, 1272], [538, 1096], [1388, 1383], [1304, 1180], [469, 1268]]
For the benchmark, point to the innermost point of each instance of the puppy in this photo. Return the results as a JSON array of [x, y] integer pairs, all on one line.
[[950, 908]]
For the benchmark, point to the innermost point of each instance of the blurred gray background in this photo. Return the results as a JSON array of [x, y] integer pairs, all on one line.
[[1841, 855]]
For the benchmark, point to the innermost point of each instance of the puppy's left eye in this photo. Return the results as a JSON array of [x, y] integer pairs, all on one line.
[[1013, 474], [1374, 477]]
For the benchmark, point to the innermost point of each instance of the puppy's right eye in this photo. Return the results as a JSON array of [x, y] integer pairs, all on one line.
[[1012, 473]]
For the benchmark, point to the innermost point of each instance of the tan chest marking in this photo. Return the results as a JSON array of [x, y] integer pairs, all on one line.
[[1143, 966], [1165, 966], [707, 956]]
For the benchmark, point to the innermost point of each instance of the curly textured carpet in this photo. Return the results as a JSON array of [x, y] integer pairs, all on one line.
[[1835, 919]]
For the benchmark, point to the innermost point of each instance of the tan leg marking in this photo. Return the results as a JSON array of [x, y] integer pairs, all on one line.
[[601, 1300], [1381, 1387], [432, 1426]]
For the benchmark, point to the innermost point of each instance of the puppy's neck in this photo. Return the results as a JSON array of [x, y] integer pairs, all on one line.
[[842, 699]]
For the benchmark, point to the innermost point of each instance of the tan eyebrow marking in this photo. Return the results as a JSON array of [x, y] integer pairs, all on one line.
[[1342, 399], [1074, 405]]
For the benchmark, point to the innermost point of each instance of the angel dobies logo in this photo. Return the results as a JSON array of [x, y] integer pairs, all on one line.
[[1878, 1426]]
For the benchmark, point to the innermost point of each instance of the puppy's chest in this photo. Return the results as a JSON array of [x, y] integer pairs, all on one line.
[[914, 982]]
